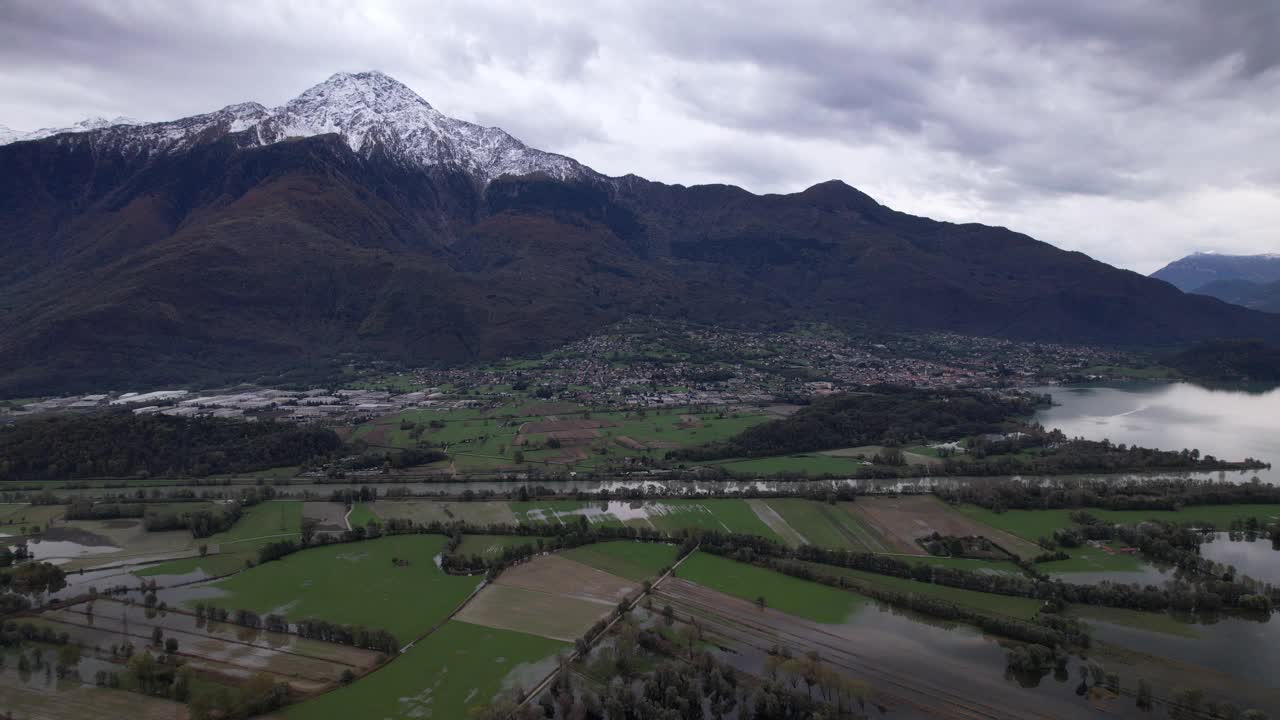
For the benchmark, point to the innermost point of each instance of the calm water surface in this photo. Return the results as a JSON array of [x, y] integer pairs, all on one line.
[[1230, 424]]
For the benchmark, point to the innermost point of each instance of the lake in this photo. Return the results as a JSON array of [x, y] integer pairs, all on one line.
[[1229, 424]]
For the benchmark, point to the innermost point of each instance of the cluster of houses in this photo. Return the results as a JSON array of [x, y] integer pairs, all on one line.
[[300, 405]]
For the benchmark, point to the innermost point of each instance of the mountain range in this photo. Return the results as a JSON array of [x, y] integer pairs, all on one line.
[[1252, 281], [356, 220]]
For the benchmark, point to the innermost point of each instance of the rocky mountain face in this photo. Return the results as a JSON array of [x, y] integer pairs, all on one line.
[[358, 221]]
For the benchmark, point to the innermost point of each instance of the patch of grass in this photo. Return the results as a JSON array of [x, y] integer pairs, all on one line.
[[213, 565], [355, 583], [1152, 372], [15, 517], [792, 464], [361, 514], [731, 515], [1152, 621], [490, 547], [1088, 558], [782, 592], [455, 668], [971, 564], [670, 427], [561, 512], [1016, 607], [631, 560], [1026, 524], [263, 523], [821, 524]]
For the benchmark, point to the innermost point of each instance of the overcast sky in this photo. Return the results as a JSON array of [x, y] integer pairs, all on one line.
[[1134, 131]]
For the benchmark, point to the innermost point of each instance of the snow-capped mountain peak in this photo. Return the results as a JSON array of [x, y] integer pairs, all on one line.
[[90, 124], [371, 111]]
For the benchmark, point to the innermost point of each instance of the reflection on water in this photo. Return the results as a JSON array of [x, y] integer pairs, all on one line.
[[1248, 649], [1229, 424], [1258, 558], [58, 552]]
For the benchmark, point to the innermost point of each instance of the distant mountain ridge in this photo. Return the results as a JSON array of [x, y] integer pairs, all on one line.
[[1197, 270], [370, 111], [1252, 281], [358, 221]]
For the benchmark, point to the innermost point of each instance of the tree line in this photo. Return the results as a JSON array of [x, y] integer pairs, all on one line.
[[121, 444], [883, 415]]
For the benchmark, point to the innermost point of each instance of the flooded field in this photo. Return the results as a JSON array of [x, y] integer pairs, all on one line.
[[917, 668], [223, 649], [1257, 558]]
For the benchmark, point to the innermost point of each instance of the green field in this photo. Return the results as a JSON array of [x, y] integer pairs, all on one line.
[[1152, 621], [361, 514], [826, 525], [263, 523], [668, 516], [355, 583], [670, 427], [490, 547], [1017, 607], [1033, 524], [723, 515], [631, 560], [782, 592], [792, 464], [972, 564], [561, 512], [14, 517], [455, 668]]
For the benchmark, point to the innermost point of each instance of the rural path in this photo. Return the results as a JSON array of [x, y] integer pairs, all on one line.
[[537, 689], [260, 537], [776, 523], [346, 519]]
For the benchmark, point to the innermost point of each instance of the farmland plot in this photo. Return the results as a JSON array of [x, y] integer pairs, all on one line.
[[453, 669], [902, 520], [916, 667], [549, 596], [229, 651]]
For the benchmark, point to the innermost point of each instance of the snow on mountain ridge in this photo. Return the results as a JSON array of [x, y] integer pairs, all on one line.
[[369, 110], [8, 135]]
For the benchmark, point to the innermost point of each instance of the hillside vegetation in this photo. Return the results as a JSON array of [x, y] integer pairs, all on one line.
[[127, 445]]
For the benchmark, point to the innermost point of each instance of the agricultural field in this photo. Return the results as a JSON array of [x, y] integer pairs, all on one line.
[[426, 512], [15, 516], [634, 561], [355, 583], [128, 541], [76, 701], [815, 464], [550, 596], [827, 525], [794, 596], [902, 520], [230, 550], [1033, 524], [229, 652], [490, 547], [361, 515], [329, 516], [457, 667], [1015, 607]]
